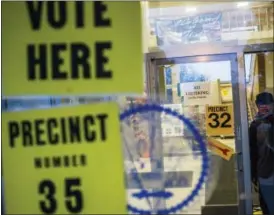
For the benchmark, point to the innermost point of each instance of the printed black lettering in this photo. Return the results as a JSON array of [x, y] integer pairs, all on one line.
[[225, 109], [60, 161], [39, 131], [52, 137], [79, 14], [56, 131], [73, 196], [63, 130], [102, 120], [83, 160], [47, 191], [215, 120], [218, 109], [26, 132], [47, 162], [90, 135], [37, 163], [58, 61], [99, 9], [101, 60], [56, 161], [66, 161], [34, 9], [74, 160], [79, 65], [13, 133], [80, 59], [37, 59], [227, 118], [74, 129], [57, 13]]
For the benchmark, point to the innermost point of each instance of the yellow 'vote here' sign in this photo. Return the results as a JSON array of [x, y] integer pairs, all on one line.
[[71, 47]]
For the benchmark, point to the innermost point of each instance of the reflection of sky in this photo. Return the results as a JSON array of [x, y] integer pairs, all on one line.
[[213, 70]]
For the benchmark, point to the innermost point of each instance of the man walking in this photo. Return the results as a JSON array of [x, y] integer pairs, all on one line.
[[261, 137]]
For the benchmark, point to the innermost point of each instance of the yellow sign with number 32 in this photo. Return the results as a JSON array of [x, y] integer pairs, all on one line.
[[64, 160], [219, 120]]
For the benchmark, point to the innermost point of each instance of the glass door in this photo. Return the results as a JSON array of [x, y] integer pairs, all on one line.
[[205, 89], [259, 67]]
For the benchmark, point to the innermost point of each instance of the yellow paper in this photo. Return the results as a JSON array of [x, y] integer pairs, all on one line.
[[60, 42], [82, 144], [219, 120], [220, 148]]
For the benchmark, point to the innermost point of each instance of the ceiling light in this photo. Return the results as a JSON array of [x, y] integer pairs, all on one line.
[[191, 9], [242, 4]]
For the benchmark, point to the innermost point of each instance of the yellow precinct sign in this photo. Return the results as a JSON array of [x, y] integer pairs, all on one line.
[[63, 160], [220, 148], [71, 47], [219, 120]]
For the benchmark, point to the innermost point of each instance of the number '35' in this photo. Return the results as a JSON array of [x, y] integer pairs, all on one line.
[[72, 195]]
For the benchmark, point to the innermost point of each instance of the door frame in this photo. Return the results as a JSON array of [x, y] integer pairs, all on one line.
[[239, 94]]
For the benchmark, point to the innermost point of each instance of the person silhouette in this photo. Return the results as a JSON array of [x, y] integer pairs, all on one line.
[[261, 140]]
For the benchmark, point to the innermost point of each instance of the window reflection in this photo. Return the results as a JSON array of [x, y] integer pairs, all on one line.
[[176, 25]]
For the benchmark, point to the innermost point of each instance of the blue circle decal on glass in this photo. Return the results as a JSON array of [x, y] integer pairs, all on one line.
[[203, 149]]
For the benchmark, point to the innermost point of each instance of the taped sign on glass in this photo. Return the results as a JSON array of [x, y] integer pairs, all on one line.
[[219, 120], [200, 93], [64, 161], [172, 126], [73, 48], [221, 149]]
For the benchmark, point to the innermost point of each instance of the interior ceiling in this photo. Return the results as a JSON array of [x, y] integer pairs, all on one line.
[[227, 4], [156, 4], [177, 9]]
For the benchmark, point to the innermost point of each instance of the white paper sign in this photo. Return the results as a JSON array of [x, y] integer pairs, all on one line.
[[200, 93], [172, 126]]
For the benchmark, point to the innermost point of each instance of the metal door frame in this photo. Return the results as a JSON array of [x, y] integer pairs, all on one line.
[[240, 108]]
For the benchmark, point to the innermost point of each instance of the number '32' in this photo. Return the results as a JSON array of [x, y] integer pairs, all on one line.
[[216, 120]]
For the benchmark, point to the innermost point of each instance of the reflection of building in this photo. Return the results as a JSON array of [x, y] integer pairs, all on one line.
[[233, 21], [205, 27], [236, 52], [260, 78], [229, 34]]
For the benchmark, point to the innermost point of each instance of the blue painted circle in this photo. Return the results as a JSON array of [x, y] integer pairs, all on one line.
[[203, 149]]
